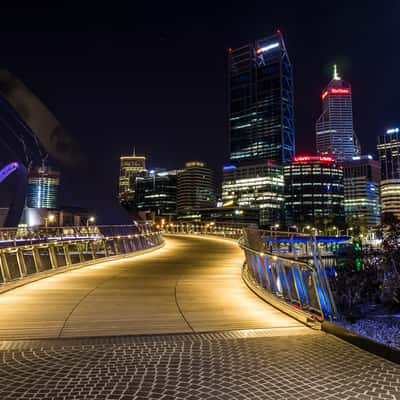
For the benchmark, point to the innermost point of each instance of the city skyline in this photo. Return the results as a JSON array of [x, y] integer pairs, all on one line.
[[91, 116]]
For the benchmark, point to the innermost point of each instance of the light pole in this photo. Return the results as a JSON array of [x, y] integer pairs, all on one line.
[[349, 230], [49, 219], [337, 230], [306, 227], [90, 220]]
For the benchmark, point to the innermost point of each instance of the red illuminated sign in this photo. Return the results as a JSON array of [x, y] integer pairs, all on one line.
[[326, 159], [340, 91], [324, 94]]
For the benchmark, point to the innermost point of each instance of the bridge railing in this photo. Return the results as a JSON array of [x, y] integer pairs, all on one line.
[[233, 231], [37, 234], [21, 261], [301, 284], [284, 266]]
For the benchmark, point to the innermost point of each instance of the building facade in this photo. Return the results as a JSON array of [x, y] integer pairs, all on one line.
[[260, 186], [389, 158], [43, 187], [314, 192], [195, 187], [334, 128], [362, 176], [261, 120], [131, 167], [156, 195]]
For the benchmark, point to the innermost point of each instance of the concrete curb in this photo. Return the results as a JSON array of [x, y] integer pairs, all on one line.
[[362, 342], [6, 287]]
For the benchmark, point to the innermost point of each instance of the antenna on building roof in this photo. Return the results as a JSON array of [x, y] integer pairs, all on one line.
[[134, 151], [336, 77]]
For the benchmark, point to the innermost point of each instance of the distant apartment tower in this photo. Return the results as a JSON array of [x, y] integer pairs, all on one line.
[[261, 120], [389, 158], [130, 168], [43, 186], [156, 195], [314, 192], [361, 191], [195, 187], [334, 128], [260, 186]]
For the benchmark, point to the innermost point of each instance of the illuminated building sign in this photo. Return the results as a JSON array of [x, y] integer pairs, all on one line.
[[326, 159], [335, 91], [393, 130], [340, 91], [267, 48]]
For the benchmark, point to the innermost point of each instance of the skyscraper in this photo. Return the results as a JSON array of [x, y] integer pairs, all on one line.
[[389, 157], [195, 188], [255, 186], [361, 191], [130, 168], [156, 195], [314, 193], [43, 185], [334, 128], [261, 120]]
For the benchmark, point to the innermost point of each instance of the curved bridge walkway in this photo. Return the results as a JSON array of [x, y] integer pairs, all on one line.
[[178, 323]]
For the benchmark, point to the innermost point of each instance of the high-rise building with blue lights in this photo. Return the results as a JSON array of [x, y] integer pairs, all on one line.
[[43, 185], [335, 134], [261, 119]]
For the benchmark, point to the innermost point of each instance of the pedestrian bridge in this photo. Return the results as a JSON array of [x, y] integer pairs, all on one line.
[[175, 321], [192, 284]]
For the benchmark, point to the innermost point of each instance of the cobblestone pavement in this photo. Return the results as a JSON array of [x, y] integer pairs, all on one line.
[[287, 363]]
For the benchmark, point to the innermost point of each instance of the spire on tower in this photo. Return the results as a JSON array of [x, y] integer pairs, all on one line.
[[134, 151], [336, 77]]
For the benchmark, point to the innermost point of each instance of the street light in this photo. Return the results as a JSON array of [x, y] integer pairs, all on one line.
[[337, 230], [49, 219], [276, 226], [306, 227], [90, 220], [349, 230]]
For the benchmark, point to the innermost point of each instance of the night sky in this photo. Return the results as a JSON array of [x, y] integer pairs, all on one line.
[[154, 75]]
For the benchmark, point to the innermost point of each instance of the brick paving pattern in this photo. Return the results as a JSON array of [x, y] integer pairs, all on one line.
[[258, 364]]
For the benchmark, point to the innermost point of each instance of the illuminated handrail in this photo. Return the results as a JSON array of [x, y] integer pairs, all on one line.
[[303, 285], [19, 262], [32, 235]]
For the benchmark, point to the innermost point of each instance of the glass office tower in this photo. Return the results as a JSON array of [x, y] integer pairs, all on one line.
[[314, 192], [258, 186], [361, 191], [261, 119], [156, 195], [389, 157], [43, 185], [131, 167], [195, 187], [334, 128]]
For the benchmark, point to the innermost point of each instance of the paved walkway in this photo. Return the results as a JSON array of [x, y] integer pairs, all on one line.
[[192, 285]]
